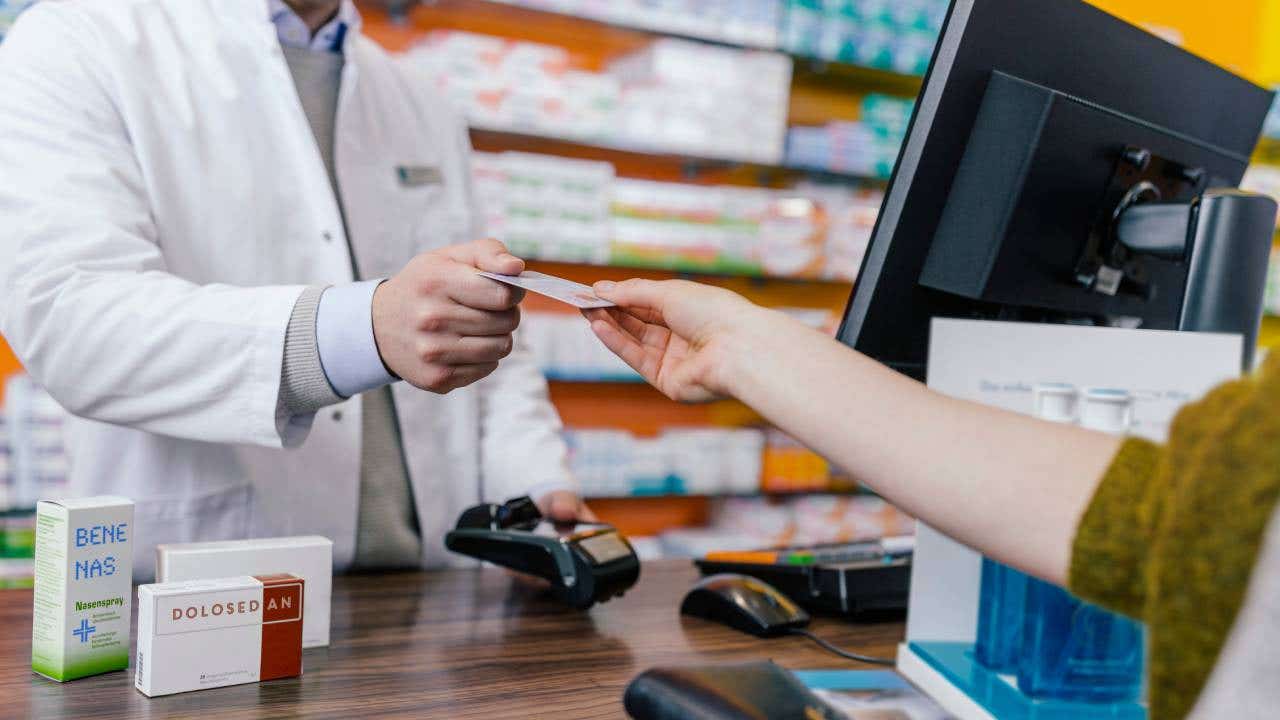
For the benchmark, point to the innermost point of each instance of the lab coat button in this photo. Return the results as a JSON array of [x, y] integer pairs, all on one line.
[[328, 236], [337, 416]]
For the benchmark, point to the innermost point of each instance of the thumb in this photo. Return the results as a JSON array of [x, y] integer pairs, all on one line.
[[633, 294], [561, 506], [488, 255]]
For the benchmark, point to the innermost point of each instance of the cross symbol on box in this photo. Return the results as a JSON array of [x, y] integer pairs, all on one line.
[[84, 631]]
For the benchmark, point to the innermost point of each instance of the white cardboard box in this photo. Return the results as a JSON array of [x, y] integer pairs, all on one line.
[[213, 633], [309, 557], [83, 587]]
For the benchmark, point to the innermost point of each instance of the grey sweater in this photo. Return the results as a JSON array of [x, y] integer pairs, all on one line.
[[387, 533]]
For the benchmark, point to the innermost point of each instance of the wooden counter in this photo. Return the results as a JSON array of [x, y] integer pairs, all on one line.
[[450, 644]]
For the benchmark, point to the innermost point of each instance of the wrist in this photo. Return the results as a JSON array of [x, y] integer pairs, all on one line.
[[753, 335], [375, 307]]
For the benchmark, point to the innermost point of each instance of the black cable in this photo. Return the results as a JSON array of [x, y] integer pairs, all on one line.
[[843, 653]]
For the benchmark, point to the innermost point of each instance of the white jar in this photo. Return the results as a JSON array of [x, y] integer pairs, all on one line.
[[1107, 410], [1056, 402]]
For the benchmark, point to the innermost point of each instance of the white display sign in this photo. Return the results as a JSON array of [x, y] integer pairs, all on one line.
[[1002, 364]]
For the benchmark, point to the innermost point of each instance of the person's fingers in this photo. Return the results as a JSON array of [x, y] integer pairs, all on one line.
[[561, 506], [565, 506], [632, 324], [473, 350], [462, 320], [622, 344], [618, 342], [609, 317], [489, 255], [482, 293], [642, 314], [460, 376], [651, 334], [634, 294], [646, 334]]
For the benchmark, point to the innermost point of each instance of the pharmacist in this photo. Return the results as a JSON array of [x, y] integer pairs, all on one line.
[[198, 199]]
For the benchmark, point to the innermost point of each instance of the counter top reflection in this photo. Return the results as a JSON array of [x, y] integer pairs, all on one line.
[[448, 644]]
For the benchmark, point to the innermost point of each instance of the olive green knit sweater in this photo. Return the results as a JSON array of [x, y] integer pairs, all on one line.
[[1172, 533]]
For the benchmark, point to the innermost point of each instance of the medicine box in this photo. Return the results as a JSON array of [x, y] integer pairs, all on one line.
[[309, 557], [211, 633], [83, 587]]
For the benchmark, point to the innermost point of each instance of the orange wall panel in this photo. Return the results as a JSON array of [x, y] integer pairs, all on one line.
[[1227, 33], [8, 365]]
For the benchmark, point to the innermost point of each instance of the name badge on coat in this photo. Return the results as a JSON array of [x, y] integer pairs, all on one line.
[[418, 175]]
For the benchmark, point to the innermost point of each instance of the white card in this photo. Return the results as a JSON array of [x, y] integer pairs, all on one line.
[[566, 291]]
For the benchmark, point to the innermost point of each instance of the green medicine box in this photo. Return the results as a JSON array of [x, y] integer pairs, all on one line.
[[83, 587]]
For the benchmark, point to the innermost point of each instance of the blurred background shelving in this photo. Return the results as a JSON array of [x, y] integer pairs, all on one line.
[[745, 215], [745, 143]]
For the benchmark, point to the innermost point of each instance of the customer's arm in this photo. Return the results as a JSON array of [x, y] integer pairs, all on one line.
[[1009, 485], [1167, 534]]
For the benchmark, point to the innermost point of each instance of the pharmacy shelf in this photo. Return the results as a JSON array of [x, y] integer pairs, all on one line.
[[831, 296], [674, 267], [574, 377], [871, 79], [641, 410], [631, 27], [639, 161], [867, 79], [679, 268]]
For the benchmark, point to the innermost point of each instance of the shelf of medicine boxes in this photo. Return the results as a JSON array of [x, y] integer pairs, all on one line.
[[636, 161], [814, 104], [821, 91], [611, 39]]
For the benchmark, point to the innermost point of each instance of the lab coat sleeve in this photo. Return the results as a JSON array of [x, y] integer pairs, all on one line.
[[86, 300], [522, 449]]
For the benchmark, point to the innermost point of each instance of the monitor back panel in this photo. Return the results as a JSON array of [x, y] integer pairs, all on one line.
[[1065, 45]]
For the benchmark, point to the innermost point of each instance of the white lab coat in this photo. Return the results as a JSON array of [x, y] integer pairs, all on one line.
[[162, 206]]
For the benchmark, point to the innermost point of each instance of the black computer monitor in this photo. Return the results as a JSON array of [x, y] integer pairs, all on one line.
[[1039, 123]]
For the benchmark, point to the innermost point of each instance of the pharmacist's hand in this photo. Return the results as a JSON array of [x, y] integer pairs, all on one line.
[[677, 334], [563, 506], [439, 325]]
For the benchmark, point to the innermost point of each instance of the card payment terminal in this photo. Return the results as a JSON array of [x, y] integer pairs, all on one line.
[[584, 562]]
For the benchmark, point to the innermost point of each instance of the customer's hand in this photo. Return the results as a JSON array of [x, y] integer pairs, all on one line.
[[439, 325], [680, 336]]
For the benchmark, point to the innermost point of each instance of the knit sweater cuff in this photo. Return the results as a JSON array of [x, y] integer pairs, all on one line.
[[304, 388], [1109, 556]]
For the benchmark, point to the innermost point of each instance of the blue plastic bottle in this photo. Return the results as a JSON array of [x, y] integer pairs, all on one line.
[[1072, 650], [1000, 616], [1002, 602]]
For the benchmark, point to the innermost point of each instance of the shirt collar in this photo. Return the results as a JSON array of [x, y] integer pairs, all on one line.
[[331, 37]]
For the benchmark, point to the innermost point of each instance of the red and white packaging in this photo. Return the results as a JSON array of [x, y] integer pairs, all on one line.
[[210, 633]]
